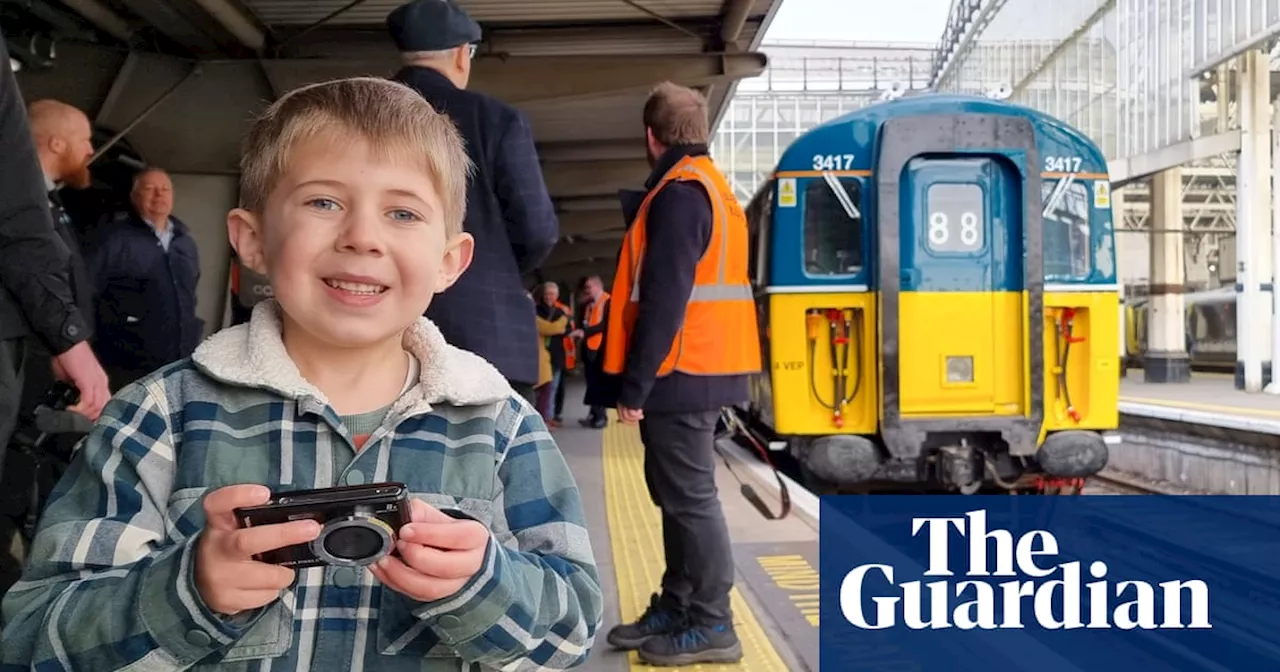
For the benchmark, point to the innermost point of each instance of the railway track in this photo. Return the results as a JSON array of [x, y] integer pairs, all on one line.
[[1114, 483]]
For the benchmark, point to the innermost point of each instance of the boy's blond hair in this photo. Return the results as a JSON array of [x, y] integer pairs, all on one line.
[[677, 115], [393, 118]]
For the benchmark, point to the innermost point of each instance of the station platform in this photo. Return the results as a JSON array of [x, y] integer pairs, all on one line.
[[775, 597], [1207, 399]]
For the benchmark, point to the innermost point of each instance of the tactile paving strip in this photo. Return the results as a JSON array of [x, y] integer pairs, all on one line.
[[635, 531]]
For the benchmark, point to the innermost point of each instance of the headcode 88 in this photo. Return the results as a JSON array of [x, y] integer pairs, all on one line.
[[941, 231]]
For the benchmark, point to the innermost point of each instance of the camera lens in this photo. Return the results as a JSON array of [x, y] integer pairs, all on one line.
[[353, 543], [355, 540]]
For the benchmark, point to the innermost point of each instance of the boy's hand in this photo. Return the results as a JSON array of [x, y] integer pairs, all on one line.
[[438, 554], [227, 576]]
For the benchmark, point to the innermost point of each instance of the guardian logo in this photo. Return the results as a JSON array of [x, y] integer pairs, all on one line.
[[1118, 583], [1012, 582]]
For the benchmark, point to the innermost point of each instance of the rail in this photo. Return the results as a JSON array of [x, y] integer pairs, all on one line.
[[1114, 482]]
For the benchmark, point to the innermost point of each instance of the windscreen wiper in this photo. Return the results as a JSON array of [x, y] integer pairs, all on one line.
[[842, 196]]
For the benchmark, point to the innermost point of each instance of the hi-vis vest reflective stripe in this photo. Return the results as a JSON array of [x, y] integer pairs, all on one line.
[[570, 346], [594, 315], [719, 335]]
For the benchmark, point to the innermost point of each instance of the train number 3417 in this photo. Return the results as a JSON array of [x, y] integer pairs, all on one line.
[[832, 161], [1062, 164]]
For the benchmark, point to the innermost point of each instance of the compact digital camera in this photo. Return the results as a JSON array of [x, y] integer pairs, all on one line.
[[359, 523]]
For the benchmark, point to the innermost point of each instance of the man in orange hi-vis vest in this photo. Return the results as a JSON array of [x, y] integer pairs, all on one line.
[[682, 337]]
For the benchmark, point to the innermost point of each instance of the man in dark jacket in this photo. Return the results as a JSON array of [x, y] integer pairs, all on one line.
[[145, 268], [508, 209], [595, 318], [37, 298]]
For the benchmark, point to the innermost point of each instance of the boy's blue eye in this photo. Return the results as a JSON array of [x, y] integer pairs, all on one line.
[[404, 215], [323, 203]]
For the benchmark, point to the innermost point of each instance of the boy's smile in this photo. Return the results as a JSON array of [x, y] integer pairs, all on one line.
[[355, 290]]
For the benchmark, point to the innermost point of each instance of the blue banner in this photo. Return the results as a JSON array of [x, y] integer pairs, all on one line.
[[1049, 583]]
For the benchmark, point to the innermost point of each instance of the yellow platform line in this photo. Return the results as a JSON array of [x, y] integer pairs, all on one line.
[[1197, 406], [635, 533]]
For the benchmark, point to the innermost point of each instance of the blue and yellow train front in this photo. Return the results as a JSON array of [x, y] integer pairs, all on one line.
[[947, 319]]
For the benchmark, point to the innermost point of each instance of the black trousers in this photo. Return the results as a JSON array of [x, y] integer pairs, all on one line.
[[599, 396], [559, 399], [680, 471]]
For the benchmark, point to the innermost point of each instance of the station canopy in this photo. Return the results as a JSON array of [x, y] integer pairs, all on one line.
[[180, 78]]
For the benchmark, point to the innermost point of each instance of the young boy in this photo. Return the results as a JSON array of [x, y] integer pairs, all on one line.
[[353, 197]]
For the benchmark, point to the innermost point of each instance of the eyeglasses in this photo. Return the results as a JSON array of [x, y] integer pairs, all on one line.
[[472, 49]]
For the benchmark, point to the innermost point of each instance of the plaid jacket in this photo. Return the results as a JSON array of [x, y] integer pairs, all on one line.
[[110, 582]]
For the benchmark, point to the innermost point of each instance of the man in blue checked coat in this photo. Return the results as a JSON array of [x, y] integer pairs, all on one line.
[[509, 212]]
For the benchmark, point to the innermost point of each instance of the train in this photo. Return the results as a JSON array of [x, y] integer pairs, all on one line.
[[1209, 330], [938, 305]]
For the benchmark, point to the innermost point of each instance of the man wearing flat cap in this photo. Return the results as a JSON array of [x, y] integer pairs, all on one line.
[[508, 209]]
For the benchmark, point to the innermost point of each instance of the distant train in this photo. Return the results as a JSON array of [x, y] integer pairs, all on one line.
[[939, 311], [1209, 329]]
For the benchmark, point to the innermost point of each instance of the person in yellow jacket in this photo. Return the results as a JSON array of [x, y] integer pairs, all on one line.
[[548, 308], [546, 328], [682, 336]]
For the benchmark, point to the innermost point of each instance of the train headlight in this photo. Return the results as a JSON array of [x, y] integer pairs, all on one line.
[[960, 369]]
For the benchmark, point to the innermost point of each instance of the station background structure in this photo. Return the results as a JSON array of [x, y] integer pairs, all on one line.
[[1119, 70], [805, 84], [811, 82], [1177, 93]]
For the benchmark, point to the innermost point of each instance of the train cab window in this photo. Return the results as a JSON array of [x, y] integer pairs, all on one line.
[[1066, 230], [833, 226]]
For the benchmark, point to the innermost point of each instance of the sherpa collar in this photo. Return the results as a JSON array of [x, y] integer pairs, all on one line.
[[253, 355]]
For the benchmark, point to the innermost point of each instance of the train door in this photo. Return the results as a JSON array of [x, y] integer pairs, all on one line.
[[961, 307], [960, 272]]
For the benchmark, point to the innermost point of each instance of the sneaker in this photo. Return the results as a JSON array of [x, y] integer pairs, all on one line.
[[693, 645], [656, 620]]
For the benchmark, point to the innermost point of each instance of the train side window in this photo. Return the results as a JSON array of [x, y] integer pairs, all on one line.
[[1066, 230], [759, 221], [1214, 318], [833, 226], [1201, 323]]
